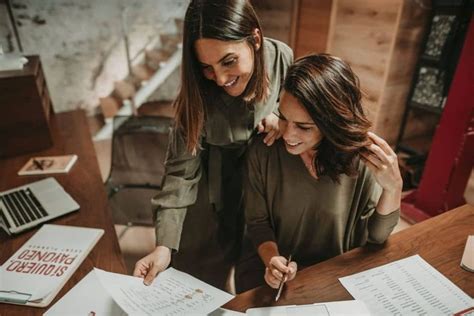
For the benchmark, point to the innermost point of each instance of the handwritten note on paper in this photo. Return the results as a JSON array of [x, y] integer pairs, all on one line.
[[407, 286], [172, 293]]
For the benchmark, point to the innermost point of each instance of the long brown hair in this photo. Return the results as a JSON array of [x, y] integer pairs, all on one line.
[[225, 20], [328, 89]]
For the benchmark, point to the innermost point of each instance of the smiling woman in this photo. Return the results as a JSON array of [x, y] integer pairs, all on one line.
[[328, 186], [230, 83], [233, 71]]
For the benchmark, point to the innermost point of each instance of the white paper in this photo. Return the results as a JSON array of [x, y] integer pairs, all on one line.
[[225, 312], [171, 293], [88, 297], [405, 287], [339, 308], [12, 62]]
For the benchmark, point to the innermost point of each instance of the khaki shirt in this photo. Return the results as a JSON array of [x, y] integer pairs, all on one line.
[[313, 219], [229, 124]]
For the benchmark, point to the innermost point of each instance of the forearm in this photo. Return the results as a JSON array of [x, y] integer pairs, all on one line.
[[169, 226], [390, 200], [267, 250]]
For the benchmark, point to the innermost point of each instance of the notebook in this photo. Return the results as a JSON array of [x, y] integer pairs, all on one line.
[[48, 165], [27, 206]]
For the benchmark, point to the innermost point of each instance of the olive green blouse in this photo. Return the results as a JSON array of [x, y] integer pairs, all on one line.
[[229, 124], [313, 219]]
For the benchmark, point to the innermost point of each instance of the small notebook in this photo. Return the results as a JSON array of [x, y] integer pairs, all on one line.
[[467, 261], [48, 165]]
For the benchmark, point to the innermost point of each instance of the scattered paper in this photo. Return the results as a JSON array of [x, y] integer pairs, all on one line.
[[225, 312], [88, 297], [172, 293], [407, 286], [12, 62], [352, 308]]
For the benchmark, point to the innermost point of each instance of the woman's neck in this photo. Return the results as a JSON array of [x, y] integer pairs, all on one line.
[[309, 158]]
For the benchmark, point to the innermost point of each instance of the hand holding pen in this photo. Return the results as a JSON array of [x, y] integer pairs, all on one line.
[[279, 271]]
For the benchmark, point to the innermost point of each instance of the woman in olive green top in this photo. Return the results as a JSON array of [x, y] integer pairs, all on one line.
[[327, 186], [230, 84]]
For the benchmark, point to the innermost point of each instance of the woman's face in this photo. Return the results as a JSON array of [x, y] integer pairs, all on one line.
[[228, 63], [300, 133]]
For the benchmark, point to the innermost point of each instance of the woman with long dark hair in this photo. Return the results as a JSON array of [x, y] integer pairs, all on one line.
[[327, 186], [230, 84]]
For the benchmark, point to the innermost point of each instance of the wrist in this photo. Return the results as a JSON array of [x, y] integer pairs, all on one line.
[[395, 188], [163, 249], [267, 251]]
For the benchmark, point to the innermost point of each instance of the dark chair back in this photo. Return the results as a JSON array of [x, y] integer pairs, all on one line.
[[139, 146]]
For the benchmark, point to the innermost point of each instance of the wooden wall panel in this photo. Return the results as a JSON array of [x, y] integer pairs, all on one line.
[[362, 33], [312, 21]]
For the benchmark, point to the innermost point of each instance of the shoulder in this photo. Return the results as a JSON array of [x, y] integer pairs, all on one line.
[[259, 151], [278, 50]]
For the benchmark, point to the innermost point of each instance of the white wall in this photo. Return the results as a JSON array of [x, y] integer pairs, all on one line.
[[80, 43]]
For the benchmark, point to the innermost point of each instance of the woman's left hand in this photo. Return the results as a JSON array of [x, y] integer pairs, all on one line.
[[383, 163], [270, 126]]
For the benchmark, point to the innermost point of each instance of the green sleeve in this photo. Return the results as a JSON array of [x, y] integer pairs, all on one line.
[[179, 190], [257, 215], [379, 226]]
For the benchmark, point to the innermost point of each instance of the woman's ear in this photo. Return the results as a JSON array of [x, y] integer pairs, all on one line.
[[257, 36]]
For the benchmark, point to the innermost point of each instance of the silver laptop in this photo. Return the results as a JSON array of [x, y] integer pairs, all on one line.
[[29, 205]]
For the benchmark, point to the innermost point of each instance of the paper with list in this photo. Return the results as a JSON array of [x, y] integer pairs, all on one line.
[[406, 287], [172, 293]]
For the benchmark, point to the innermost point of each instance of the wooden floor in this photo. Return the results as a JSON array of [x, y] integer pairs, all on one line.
[[139, 241]]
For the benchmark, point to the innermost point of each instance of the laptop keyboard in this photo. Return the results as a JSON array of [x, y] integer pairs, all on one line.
[[23, 207]]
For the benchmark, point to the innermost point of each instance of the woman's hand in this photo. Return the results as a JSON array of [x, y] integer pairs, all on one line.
[[277, 271], [148, 267], [270, 126], [383, 163]]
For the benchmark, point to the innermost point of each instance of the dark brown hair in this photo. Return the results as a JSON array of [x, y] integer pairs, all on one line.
[[328, 89], [225, 20]]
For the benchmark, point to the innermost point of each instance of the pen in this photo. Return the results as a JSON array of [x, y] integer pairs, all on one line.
[[38, 164], [280, 288]]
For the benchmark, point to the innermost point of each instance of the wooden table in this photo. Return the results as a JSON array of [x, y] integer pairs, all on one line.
[[71, 136], [439, 240]]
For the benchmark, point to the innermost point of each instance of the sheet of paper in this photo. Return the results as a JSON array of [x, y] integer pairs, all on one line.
[[407, 286], [172, 293], [225, 312], [352, 308], [88, 297]]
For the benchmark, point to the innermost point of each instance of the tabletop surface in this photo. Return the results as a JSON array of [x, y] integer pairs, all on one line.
[[84, 183]]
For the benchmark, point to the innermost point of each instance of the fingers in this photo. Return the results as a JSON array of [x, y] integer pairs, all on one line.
[[269, 125], [279, 263], [140, 269], [149, 266], [271, 280], [152, 273], [293, 268], [381, 143], [271, 137], [374, 161], [274, 277]]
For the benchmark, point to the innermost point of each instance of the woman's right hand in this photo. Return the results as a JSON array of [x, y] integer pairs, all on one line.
[[148, 267], [278, 271]]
